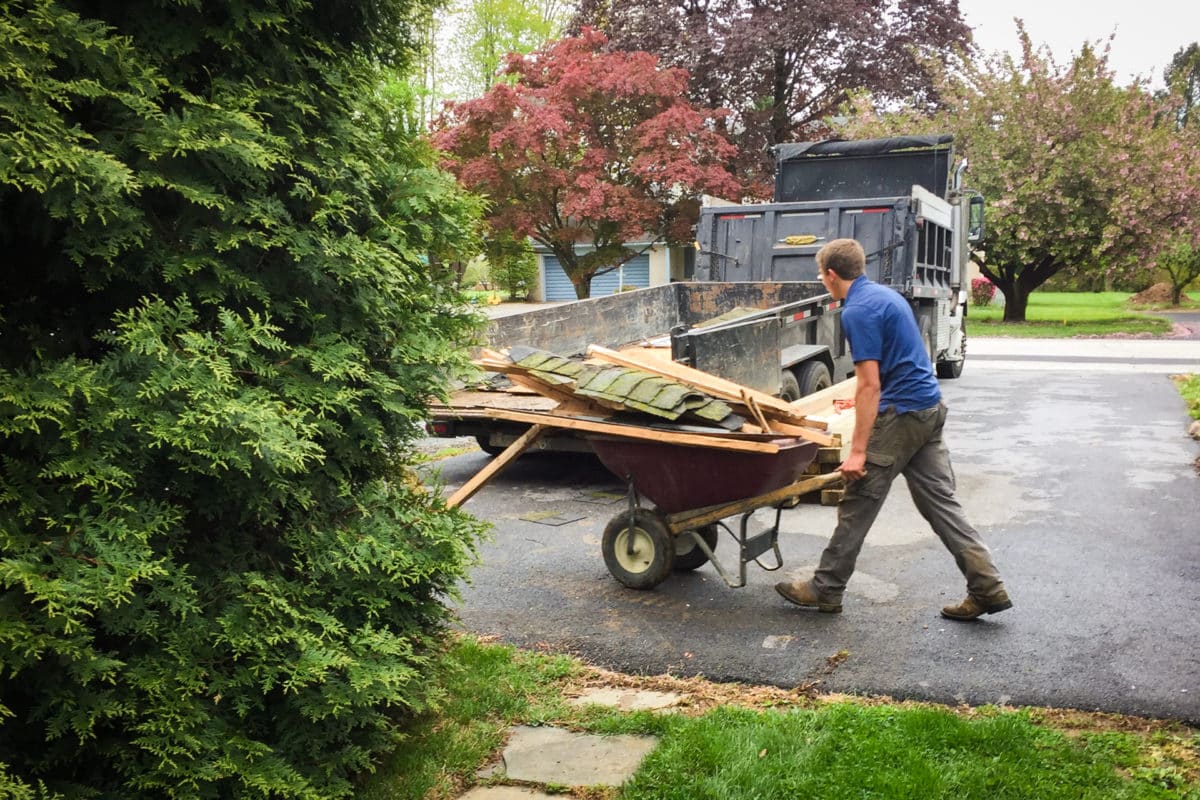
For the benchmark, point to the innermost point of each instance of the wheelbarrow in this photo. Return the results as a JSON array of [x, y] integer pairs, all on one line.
[[693, 489]]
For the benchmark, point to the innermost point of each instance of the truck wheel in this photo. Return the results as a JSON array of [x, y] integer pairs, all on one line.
[[688, 555], [638, 550], [789, 387], [813, 377], [485, 444], [952, 369]]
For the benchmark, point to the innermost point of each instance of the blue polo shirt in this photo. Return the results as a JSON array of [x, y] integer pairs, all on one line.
[[880, 326]]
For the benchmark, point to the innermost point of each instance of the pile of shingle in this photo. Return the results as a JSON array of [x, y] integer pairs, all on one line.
[[625, 388]]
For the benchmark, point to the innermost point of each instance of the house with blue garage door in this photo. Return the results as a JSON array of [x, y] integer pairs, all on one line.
[[658, 264]]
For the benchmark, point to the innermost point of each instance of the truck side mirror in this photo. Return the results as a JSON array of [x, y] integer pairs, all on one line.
[[975, 228]]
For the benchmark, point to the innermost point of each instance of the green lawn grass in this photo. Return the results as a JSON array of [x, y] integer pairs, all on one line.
[[1066, 314], [1189, 388], [811, 749]]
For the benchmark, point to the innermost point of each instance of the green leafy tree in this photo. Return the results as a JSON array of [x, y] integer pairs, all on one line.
[[1181, 262], [588, 147], [217, 331], [512, 263], [1182, 77], [1080, 177], [488, 30]]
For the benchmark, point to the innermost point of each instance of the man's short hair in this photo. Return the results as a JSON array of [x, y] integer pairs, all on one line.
[[845, 257]]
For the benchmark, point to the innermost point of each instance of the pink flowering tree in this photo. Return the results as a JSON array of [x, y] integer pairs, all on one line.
[[1083, 177], [580, 146]]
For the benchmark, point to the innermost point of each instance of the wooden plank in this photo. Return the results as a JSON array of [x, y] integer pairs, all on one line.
[[468, 400], [831, 497], [468, 489], [821, 402], [710, 384], [787, 429], [635, 432], [756, 411], [698, 518]]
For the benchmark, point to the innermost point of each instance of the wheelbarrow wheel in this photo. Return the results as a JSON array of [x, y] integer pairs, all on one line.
[[688, 555], [638, 550]]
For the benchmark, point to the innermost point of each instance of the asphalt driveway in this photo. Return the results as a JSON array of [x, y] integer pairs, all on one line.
[[1073, 462]]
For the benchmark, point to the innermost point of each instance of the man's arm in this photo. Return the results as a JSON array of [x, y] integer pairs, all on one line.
[[866, 409]]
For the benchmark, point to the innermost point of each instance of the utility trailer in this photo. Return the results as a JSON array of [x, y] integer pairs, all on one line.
[[782, 338], [897, 197]]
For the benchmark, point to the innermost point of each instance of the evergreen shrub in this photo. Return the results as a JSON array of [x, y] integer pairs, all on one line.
[[218, 577]]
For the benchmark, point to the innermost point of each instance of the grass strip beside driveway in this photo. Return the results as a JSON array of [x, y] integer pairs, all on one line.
[[731, 740]]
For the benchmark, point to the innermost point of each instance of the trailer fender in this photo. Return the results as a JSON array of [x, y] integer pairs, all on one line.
[[799, 353]]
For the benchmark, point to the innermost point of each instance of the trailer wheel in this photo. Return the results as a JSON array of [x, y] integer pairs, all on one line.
[[688, 555], [789, 387], [814, 376], [638, 550], [485, 444]]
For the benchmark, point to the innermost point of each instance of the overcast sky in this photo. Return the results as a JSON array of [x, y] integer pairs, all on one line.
[[1148, 32]]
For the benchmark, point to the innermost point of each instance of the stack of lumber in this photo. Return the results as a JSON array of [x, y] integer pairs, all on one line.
[[613, 392], [637, 394]]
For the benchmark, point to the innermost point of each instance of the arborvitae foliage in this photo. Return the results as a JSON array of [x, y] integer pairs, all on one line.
[[217, 330]]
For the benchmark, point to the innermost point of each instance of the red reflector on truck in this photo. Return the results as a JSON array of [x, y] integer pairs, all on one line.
[[439, 428], [876, 210], [801, 315]]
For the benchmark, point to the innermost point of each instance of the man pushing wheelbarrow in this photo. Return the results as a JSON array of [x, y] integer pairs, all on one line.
[[897, 431]]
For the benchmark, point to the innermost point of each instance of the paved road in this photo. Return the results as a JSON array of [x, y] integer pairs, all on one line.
[[1072, 461], [1187, 323]]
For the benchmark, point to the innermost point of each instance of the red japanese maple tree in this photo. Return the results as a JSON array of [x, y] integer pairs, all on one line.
[[585, 150]]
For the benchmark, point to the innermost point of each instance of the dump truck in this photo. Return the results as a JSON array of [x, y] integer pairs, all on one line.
[[755, 311], [901, 198]]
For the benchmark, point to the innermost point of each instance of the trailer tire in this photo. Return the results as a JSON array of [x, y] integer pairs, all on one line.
[[484, 441], [688, 555], [814, 376], [789, 387], [652, 554]]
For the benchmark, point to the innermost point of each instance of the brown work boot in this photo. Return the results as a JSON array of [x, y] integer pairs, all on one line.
[[803, 595], [974, 607]]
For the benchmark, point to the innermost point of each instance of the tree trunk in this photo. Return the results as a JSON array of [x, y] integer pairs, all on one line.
[[583, 286], [1015, 302]]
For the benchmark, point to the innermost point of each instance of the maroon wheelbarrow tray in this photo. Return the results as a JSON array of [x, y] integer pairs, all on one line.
[[693, 489]]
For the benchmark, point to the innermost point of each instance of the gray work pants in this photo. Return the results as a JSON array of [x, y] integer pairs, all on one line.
[[908, 444]]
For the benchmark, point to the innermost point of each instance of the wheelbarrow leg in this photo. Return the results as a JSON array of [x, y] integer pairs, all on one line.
[[751, 547]]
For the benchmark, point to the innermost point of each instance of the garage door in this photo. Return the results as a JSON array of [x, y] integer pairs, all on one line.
[[634, 272]]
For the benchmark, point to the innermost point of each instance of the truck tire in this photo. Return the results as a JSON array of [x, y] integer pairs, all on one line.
[[638, 549], [813, 377], [789, 387], [688, 555], [952, 369]]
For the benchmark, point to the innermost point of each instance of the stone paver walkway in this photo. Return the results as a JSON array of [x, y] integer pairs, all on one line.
[[562, 758]]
